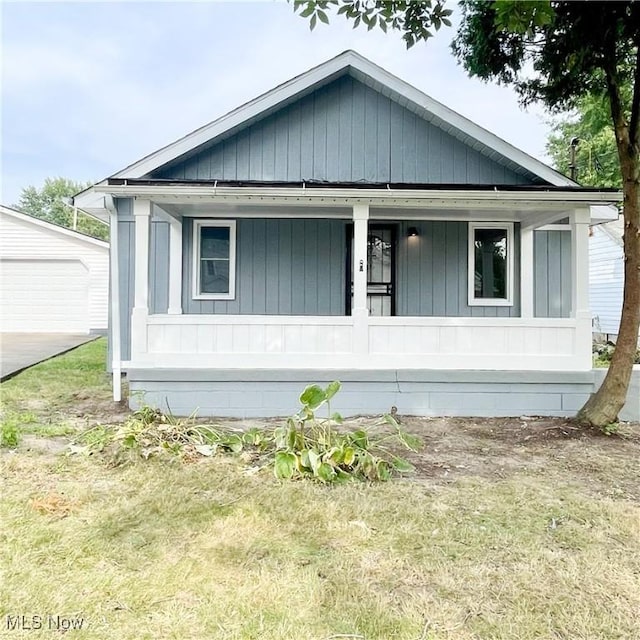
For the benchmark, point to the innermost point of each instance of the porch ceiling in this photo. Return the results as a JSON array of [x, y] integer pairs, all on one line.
[[481, 212]]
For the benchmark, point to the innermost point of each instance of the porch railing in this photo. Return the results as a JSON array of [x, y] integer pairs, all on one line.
[[312, 342]]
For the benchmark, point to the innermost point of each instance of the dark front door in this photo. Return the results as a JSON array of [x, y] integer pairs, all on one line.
[[381, 267]]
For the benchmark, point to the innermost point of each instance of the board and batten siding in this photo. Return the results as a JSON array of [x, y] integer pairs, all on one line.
[[344, 131], [552, 274], [432, 272], [606, 281], [158, 269], [283, 267]]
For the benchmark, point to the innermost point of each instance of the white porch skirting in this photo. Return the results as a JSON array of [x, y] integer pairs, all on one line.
[[360, 343]]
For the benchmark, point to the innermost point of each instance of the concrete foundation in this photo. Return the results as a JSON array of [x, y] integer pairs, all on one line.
[[268, 393]]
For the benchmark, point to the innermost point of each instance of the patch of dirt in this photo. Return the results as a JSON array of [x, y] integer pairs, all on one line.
[[51, 445], [501, 447], [454, 448], [97, 411]]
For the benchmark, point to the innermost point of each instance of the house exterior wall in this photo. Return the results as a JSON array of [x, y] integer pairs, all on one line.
[[283, 267], [297, 267], [606, 281], [552, 274], [158, 269], [344, 132], [432, 272], [25, 241]]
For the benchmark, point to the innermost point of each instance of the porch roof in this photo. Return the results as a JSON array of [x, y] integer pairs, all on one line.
[[533, 206]]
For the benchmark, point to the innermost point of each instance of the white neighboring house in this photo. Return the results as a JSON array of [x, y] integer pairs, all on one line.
[[606, 276], [52, 279]]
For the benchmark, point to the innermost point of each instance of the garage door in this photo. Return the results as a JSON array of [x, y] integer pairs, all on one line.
[[44, 296]]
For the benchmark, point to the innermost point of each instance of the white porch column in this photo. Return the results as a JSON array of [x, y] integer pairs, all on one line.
[[580, 219], [526, 273], [175, 267], [360, 311], [140, 313]]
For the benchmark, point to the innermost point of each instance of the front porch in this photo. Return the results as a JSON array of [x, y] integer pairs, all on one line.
[[503, 335]]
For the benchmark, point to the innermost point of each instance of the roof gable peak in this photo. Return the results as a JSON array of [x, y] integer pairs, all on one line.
[[372, 75]]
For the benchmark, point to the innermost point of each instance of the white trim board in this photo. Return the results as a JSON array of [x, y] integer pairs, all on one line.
[[367, 72], [198, 225], [25, 217], [507, 301]]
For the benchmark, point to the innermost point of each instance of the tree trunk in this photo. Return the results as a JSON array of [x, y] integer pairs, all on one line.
[[603, 407]]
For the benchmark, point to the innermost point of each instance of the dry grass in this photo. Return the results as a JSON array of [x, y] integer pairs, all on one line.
[[505, 533]]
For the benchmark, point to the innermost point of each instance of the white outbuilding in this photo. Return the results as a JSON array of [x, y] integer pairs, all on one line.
[[52, 279]]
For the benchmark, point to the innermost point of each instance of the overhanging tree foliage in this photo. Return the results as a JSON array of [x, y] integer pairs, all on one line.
[[48, 204], [596, 153], [555, 53]]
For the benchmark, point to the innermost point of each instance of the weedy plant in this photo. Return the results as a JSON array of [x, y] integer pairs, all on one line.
[[315, 447], [9, 437], [306, 446]]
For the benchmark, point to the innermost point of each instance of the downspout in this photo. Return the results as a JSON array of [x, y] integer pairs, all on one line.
[[116, 358]]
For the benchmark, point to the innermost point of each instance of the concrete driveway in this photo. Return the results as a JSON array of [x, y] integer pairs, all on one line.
[[20, 351]]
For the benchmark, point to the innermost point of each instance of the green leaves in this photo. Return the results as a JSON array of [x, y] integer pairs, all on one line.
[[47, 203], [416, 20], [304, 447], [313, 396], [285, 464]]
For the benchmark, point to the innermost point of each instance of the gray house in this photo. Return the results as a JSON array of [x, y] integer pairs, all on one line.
[[347, 226]]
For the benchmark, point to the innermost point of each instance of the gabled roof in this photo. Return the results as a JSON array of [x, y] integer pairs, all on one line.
[[51, 226], [377, 78]]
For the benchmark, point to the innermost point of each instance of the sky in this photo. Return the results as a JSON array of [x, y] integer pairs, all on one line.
[[88, 88]]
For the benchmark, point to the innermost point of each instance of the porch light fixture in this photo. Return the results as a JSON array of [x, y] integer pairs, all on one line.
[[413, 232]]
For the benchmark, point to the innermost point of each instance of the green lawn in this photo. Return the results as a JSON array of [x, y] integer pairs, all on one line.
[[508, 530]]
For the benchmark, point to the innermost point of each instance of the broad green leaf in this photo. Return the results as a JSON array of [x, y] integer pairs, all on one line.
[[332, 389], [280, 437], [384, 472], [285, 464], [326, 472], [313, 396], [359, 439], [304, 459], [343, 476], [308, 11], [234, 444], [322, 16], [314, 460], [334, 455], [409, 440], [403, 466], [337, 418], [349, 456], [292, 438]]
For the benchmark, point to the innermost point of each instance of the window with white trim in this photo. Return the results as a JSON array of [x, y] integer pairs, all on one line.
[[491, 263], [214, 259]]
